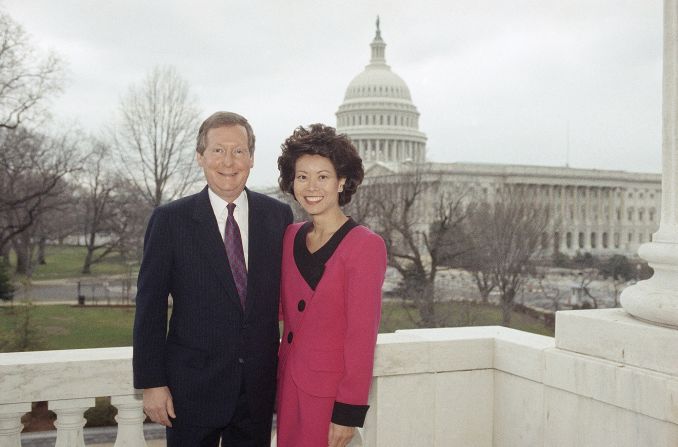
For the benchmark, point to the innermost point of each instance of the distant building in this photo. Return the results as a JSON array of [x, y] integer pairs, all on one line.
[[597, 211]]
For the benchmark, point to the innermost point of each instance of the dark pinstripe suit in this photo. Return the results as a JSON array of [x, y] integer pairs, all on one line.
[[211, 345]]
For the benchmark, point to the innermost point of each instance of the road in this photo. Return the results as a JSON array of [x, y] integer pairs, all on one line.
[[96, 290]]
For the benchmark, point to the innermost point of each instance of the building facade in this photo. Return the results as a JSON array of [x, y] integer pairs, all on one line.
[[597, 211]]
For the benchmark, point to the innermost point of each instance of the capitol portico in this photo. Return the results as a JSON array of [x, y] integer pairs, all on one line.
[[598, 211]]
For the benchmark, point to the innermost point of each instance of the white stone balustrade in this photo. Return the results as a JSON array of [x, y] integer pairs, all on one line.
[[69, 380], [10, 423], [70, 421], [606, 380], [130, 419]]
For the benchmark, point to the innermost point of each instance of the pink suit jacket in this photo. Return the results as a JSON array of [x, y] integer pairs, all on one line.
[[329, 339]]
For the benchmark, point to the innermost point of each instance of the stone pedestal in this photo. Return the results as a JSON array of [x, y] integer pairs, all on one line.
[[612, 380], [656, 300]]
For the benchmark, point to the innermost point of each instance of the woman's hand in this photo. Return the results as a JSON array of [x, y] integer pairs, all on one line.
[[340, 435]]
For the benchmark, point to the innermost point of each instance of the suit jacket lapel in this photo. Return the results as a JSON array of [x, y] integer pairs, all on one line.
[[256, 228], [212, 245]]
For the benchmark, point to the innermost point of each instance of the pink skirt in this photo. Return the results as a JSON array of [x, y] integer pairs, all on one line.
[[302, 420]]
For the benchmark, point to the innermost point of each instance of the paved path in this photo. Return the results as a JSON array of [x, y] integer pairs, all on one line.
[[97, 290]]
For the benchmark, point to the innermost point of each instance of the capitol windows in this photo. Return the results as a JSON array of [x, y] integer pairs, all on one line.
[[618, 213], [605, 240], [629, 214], [616, 239], [650, 215], [630, 239], [640, 215], [581, 240], [568, 240], [594, 240]]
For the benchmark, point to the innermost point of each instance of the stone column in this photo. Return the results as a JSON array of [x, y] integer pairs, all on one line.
[[656, 299], [10, 423], [130, 421], [70, 421]]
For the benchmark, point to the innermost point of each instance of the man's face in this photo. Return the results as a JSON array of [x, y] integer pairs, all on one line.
[[226, 161]]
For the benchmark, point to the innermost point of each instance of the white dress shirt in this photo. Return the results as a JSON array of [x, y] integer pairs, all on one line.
[[240, 213]]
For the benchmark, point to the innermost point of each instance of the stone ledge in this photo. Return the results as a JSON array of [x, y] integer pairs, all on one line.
[[614, 335], [635, 389], [521, 353]]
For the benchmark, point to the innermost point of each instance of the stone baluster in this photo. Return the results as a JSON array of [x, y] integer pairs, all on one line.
[[10, 423], [70, 420], [130, 420], [656, 299]]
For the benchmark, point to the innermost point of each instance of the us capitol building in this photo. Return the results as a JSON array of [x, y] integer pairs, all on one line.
[[597, 211]]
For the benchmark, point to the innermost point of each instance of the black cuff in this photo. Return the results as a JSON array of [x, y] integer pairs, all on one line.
[[349, 415]]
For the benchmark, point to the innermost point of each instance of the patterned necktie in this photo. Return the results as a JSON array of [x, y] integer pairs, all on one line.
[[236, 257]]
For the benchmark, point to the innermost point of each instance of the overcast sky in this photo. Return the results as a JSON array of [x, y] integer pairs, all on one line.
[[496, 81]]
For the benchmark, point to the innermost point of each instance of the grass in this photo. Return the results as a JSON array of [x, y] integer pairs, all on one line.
[[65, 261], [457, 314], [68, 327]]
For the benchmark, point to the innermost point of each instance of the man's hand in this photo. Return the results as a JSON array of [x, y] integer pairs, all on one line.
[[158, 405], [340, 435]]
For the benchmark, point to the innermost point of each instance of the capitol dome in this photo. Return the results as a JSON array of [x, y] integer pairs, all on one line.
[[378, 114], [378, 81]]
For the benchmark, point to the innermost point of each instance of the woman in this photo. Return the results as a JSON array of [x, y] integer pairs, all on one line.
[[332, 274]]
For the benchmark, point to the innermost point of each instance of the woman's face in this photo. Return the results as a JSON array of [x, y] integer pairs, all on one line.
[[316, 185]]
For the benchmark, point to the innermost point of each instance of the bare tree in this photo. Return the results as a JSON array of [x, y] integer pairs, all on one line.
[[33, 176], [27, 78], [509, 231], [97, 184], [159, 121], [475, 260], [399, 205]]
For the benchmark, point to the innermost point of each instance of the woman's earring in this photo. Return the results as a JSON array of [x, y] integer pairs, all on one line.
[[341, 188]]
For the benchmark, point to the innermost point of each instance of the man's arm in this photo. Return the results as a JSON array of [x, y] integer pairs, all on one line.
[[150, 322]]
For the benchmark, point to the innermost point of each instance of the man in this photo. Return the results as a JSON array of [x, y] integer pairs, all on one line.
[[211, 376]]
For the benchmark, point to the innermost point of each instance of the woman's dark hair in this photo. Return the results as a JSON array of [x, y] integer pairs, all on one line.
[[321, 140]]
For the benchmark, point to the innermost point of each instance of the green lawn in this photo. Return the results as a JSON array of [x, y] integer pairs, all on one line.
[[67, 327], [65, 261], [456, 314]]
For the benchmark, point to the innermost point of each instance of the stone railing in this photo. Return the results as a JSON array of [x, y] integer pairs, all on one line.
[[605, 380], [70, 380]]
